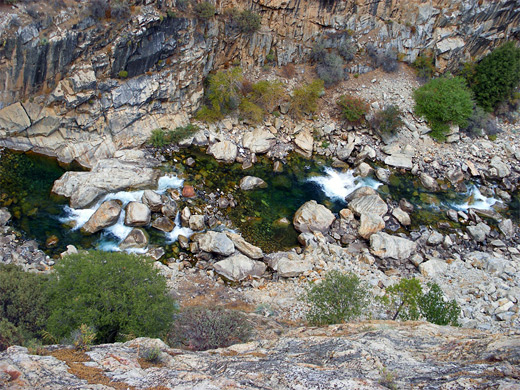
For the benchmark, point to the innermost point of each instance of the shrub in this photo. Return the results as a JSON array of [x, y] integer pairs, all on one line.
[[206, 114], [353, 109], [120, 10], [182, 132], [403, 299], [23, 302], [386, 59], [151, 355], [347, 50], [435, 309], [250, 111], [304, 100], [98, 8], [387, 120], [246, 22], [331, 69], [479, 123], [204, 10], [338, 298], [9, 335], [117, 293], [123, 74], [443, 101], [423, 65], [318, 52], [268, 94], [158, 138], [496, 76], [83, 337], [202, 328], [224, 90]]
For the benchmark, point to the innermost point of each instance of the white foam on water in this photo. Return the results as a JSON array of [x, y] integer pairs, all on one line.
[[475, 200], [337, 185], [78, 216], [177, 231], [168, 181]]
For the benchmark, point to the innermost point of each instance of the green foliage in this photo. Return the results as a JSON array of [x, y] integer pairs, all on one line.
[[206, 114], [151, 355], [250, 111], [304, 100], [443, 101], [201, 328], [347, 50], [479, 123], [9, 335], [204, 10], [435, 309], [116, 293], [268, 94], [123, 74], [83, 337], [223, 94], [181, 132], [23, 302], [496, 76], [387, 120], [157, 138], [331, 69], [353, 109], [403, 299], [246, 22], [423, 65], [318, 51], [338, 298]]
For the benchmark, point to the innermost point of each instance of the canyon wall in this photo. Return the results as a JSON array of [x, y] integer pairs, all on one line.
[[80, 88]]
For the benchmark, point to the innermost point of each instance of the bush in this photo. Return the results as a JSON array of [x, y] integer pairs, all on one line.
[[23, 303], [120, 10], [496, 76], [246, 22], [83, 337], [268, 94], [443, 101], [123, 74], [347, 50], [158, 138], [387, 120], [338, 298], [423, 65], [331, 69], [435, 309], [479, 123], [116, 293], [402, 299], [201, 328], [204, 10], [353, 109], [250, 111], [385, 59], [9, 335], [182, 132], [224, 90], [318, 52], [304, 100], [151, 355]]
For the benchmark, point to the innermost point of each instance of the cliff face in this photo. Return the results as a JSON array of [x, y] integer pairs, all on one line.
[[80, 89]]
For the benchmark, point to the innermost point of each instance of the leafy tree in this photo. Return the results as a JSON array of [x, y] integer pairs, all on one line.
[[403, 299], [204, 10], [268, 94], [338, 298], [434, 308], [223, 93], [115, 293], [443, 101], [305, 99], [496, 76], [353, 109], [246, 22]]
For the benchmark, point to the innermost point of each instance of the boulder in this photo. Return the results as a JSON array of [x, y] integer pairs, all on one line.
[[435, 238], [399, 161], [344, 152], [433, 267], [239, 267], [258, 141], [169, 209], [289, 265], [359, 192], [368, 204], [248, 183], [479, 232], [14, 119], [486, 261], [502, 169], [429, 182], [304, 142], [106, 215], [506, 227], [384, 245], [163, 224], [152, 199], [136, 239], [402, 216], [137, 214], [214, 242], [370, 224], [196, 222], [5, 216], [188, 191], [312, 217], [225, 151], [245, 247]]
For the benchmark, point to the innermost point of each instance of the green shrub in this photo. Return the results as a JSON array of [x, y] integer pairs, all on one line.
[[443, 101], [434, 308], [151, 355], [423, 65], [201, 328], [182, 132], [496, 76], [246, 22], [353, 109], [23, 302], [157, 138], [318, 51], [250, 111], [204, 10], [338, 298], [304, 100], [480, 122], [224, 90], [331, 69], [387, 120], [206, 114], [83, 337], [402, 299], [268, 94], [123, 74], [9, 335], [116, 293]]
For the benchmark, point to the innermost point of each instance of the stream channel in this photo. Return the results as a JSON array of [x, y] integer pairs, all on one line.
[[262, 216]]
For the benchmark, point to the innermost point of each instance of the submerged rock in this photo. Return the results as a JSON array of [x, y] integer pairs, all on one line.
[[251, 182], [106, 215], [239, 267], [313, 217]]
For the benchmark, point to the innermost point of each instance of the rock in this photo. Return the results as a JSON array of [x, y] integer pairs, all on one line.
[[163, 224], [289, 265], [360, 192], [136, 239], [399, 161], [106, 215], [313, 217], [435, 238], [505, 226], [479, 231], [486, 261], [71, 250], [248, 183], [185, 216], [383, 175], [258, 141], [364, 169], [429, 182], [455, 175], [152, 199], [406, 206], [14, 119], [502, 169], [245, 247], [433, 267], [344, 152], [368, 204], [304, 142], [402, 216], [225, 151], [214, 242], [196, 222], [156, 253], [384, 245], [346, 214], [188, 191], [169, 209], [370, 224], [137, 214], [5, 216], [239, 267]]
